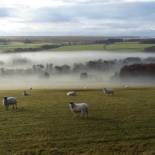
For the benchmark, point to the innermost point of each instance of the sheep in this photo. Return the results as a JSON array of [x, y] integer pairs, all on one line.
[[25, 93], [7, 101], [81, 108], [126, 86], [108, 91], [71, 93]]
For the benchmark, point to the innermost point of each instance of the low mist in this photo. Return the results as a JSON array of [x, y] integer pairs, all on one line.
[[73, 70]]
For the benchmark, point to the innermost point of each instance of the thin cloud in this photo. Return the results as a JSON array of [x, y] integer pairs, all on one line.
[[85, 17], [4, 12], [120, 11]]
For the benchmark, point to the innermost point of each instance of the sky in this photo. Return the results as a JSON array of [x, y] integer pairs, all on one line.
[[77, 17]]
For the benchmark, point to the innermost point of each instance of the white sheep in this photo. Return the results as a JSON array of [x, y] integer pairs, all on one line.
[[81, 108], [71, 93], [126, 86], [108, 91], [25, 93], [7, 101]]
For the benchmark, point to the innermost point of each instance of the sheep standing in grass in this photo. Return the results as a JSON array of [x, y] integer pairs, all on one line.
[[81, 108], [108, 91], [7, 101], [25, 93], [126, 86], [71, 93]]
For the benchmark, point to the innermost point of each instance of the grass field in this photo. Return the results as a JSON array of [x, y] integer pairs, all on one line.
[[122, 46], [43, 125], [15, 45]]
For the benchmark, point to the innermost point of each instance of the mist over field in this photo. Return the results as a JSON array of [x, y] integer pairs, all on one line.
[[76, 69], [61, 58]]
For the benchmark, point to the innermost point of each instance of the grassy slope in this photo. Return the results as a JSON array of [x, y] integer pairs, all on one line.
[[125, 46], [18, 45], [12, 46], [132, 46], [43, 124]]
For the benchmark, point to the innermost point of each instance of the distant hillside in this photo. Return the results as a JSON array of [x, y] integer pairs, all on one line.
[[74, 43], [150, 49], [138, 70]]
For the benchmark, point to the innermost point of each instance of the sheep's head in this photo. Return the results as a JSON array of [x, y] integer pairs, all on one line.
[[5, 98], [104, 89], [72, 104]]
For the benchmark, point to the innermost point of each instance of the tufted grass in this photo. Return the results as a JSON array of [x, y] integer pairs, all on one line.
[[115, 47], [43, 125]]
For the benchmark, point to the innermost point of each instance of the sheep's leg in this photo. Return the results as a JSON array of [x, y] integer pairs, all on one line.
[[6, 107], [82, 113], [86, 113], [13, 107], [16, 105], [74, 114]]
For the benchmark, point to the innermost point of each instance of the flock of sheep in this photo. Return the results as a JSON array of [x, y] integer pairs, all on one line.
[[81, 108]]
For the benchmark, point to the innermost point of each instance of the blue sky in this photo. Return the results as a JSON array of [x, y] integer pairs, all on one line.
[[77, 17]]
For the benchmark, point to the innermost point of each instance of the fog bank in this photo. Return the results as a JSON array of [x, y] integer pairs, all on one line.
[[65, 70]]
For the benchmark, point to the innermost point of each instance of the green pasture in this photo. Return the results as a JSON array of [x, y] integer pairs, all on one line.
[[121, 47], [122, 124]]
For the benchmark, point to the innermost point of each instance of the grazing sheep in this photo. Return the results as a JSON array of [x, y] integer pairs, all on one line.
[[71, 93], [25, 93], [81, 108], [126, 86], [85, 87], [7, 101], [108, 91]]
